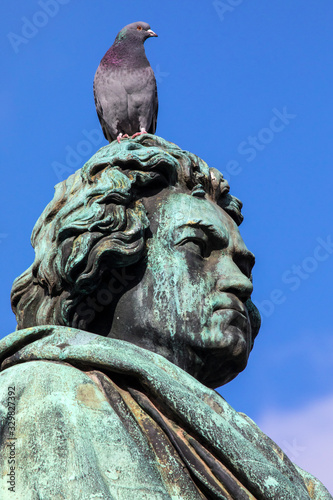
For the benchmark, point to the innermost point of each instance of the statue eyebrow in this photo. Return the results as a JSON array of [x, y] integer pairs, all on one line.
[[207, 228]]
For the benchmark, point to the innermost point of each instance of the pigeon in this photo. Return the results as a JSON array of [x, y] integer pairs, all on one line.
[[125, 88]]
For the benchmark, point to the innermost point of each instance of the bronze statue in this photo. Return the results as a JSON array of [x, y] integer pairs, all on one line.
[[137, 306]]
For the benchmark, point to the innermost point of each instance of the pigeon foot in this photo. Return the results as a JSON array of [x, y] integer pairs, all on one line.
[[143, 131], [121, 136]]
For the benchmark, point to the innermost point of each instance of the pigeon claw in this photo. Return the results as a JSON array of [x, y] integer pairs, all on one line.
[[143, 131], [121, 136]]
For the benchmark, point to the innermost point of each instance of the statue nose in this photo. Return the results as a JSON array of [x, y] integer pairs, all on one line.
[[232, 280]]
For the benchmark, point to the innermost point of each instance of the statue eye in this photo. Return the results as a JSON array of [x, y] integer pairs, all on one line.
[[195, 245], [139, 28]]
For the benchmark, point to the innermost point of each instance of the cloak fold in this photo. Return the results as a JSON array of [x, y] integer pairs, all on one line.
[[99, 418]]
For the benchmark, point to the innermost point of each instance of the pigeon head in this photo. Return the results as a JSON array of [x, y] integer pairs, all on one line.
[[135, 31]]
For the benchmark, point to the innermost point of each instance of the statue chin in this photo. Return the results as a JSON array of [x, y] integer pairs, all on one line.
[[223, 348], [216, 370]]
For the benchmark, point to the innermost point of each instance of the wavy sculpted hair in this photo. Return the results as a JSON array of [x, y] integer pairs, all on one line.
[[97, 222]]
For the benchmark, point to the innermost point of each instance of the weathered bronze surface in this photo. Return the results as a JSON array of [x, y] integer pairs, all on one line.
[[137, 306]]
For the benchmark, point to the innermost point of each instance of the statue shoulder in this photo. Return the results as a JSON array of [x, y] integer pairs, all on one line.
[[316, 489], [63, 421]]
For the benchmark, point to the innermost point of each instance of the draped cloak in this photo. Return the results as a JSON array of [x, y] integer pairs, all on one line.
[[86, 417]]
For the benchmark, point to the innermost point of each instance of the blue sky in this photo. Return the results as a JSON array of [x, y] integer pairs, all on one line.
[[247, 86]]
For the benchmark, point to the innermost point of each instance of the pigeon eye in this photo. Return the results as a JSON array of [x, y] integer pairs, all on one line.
[[139, 28]]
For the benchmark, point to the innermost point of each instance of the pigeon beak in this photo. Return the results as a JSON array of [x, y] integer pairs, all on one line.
[[151, 33]]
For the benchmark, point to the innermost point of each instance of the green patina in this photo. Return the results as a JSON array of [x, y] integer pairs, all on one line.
[[112, 375]]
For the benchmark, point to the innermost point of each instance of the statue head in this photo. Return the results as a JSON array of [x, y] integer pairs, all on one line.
[[142, 244]]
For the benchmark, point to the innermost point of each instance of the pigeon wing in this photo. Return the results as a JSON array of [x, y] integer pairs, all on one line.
[[111, 102], [141, 89], [99, 110], [152, 128]]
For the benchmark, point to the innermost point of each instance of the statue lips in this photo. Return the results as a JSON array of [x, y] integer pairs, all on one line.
[[231, 302], [236, 314], [228, 301]]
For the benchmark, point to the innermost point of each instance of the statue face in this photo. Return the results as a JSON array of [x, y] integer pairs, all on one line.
[[189, 305]]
